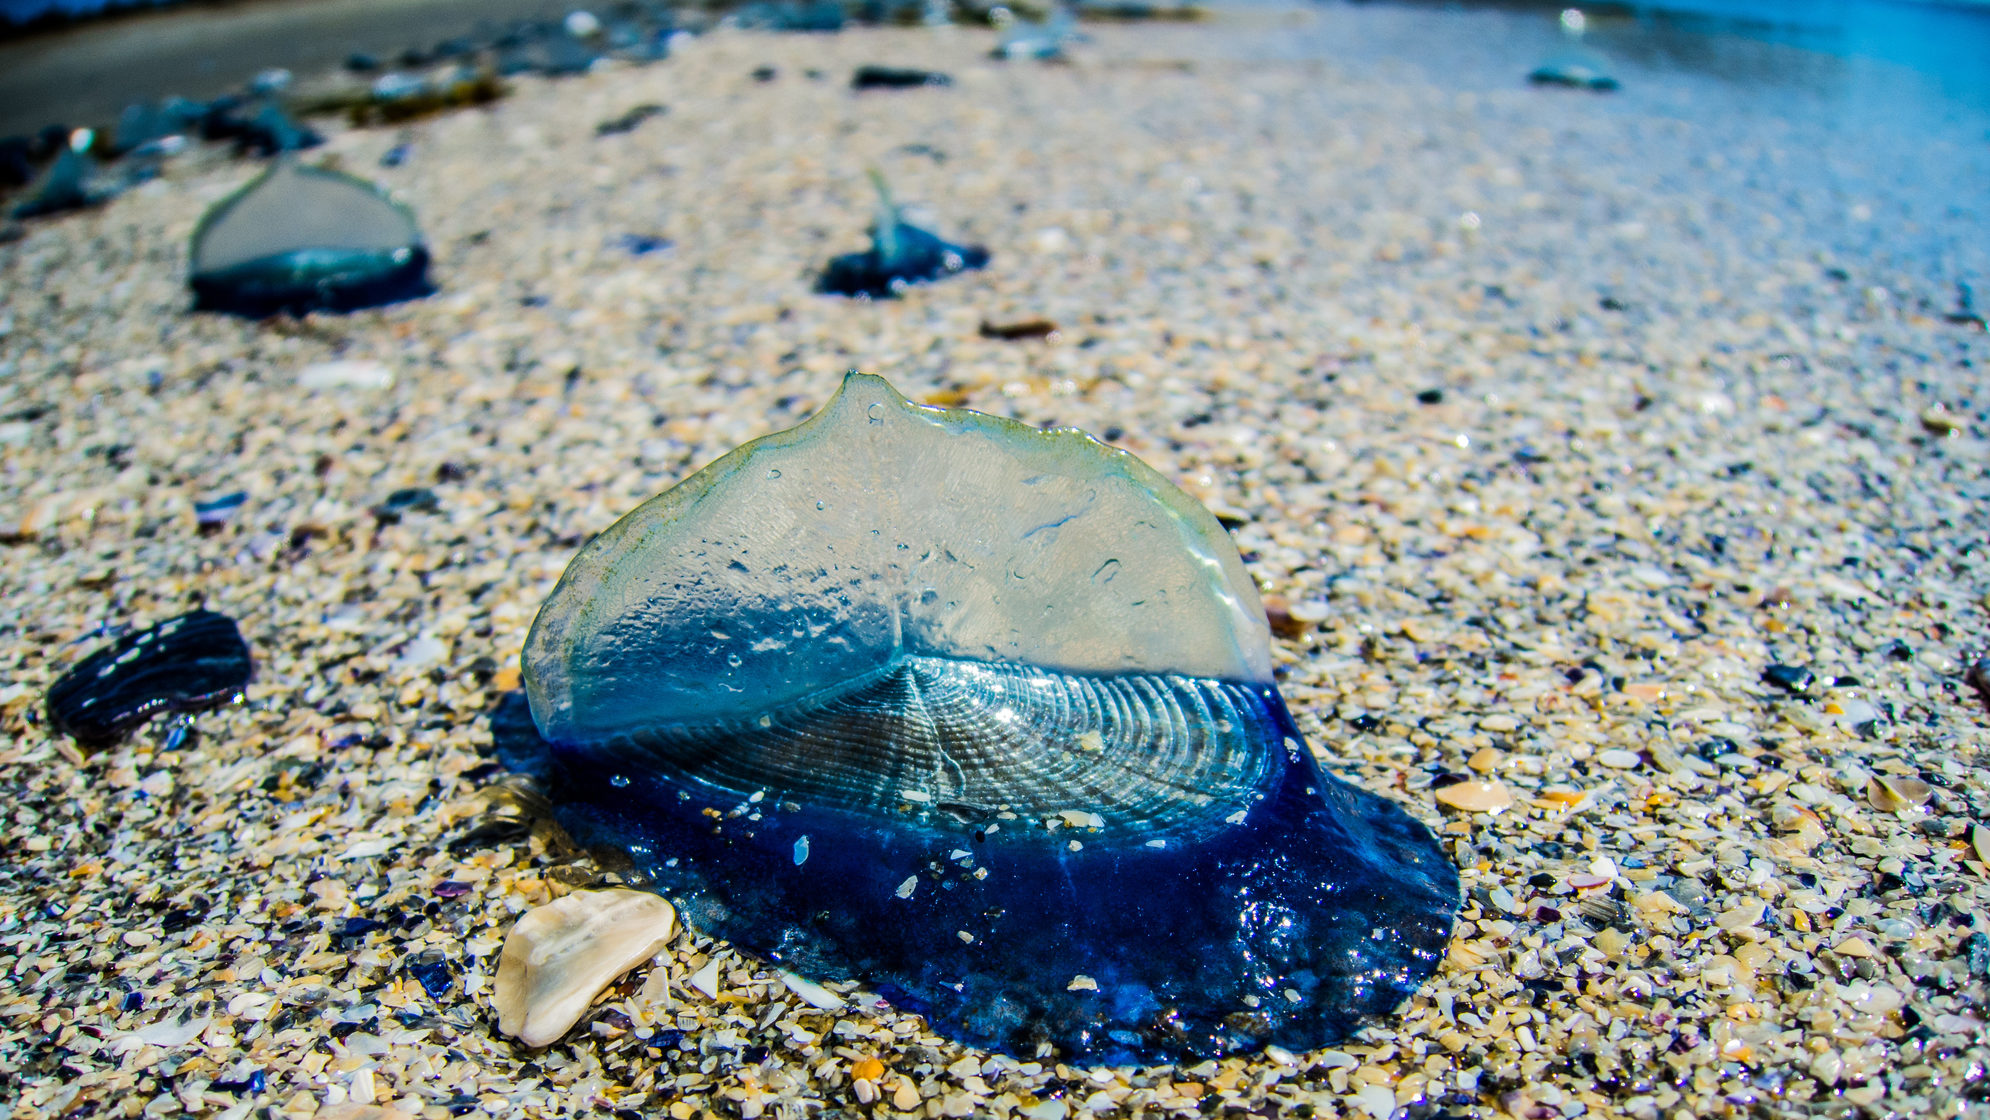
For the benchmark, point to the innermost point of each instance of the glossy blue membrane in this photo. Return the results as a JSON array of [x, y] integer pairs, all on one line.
[[1290, 921], [982, 716]]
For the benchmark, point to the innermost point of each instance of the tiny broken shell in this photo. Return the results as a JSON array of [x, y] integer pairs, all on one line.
[[558, 957], [1897, 795], [1479, 796], [1979, 839]]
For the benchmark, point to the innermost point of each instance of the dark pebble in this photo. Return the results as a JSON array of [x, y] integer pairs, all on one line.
[[450, 888], [1012, 332], [414, 499], [1794, 679], [1430, 396], [358, 927], [1978, 678], [1977, 948], [765, 73], [216, 512], [896, 77], [195, 661], [434, 977], [1364, 723], [256, 1083]]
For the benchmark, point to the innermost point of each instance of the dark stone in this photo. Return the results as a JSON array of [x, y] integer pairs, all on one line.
[[1793, 679], [413, 499], [1430, 396], [896, 77]]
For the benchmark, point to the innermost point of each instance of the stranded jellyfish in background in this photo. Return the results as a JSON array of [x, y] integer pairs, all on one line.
[[900, 254], [301, 239], [983, 716]]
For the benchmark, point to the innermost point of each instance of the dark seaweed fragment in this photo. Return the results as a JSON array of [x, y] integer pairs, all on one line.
[[629, 121], [896, 77], [900, 254], [195, 661]]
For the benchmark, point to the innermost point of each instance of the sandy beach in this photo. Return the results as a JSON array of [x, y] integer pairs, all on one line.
[[1547, 423]]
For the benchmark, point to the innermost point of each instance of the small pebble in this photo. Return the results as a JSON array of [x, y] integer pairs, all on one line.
[[896, 77], [1793, 679], [346, 374], [1618, 759], [1897, 795], [1487, 796]]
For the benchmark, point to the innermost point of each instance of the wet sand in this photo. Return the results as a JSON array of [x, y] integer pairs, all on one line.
[[1550, 421]]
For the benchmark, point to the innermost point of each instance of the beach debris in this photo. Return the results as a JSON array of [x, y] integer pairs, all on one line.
[[397, 97], [1938, 421], [184, 664], [1793, 679], [71, 182], [272, 131], [209, 516], [1138, 11], [1043, 40], [629, 121], [1475, 795], [1573, 71], [896, 77], [413, 499], [1977, 676], [1019, 330], [901, 254], [1893, 794], [301, 239], [1131, 771], [559, 956], [156, 128], [1965, 313]]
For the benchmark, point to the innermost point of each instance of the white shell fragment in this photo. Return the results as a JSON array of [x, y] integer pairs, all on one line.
[[561, 955], [1897, 795]]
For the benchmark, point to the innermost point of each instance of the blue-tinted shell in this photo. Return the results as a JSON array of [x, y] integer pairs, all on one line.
[[983, 716], [301, 239], [194, 661]]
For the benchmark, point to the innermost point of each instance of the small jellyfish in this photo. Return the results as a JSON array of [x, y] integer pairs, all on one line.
[[972, 712], [69, 183], [1045, 40], [900, 254], [1575, 67], [1575, 70], [301, 239], [184, 664]]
